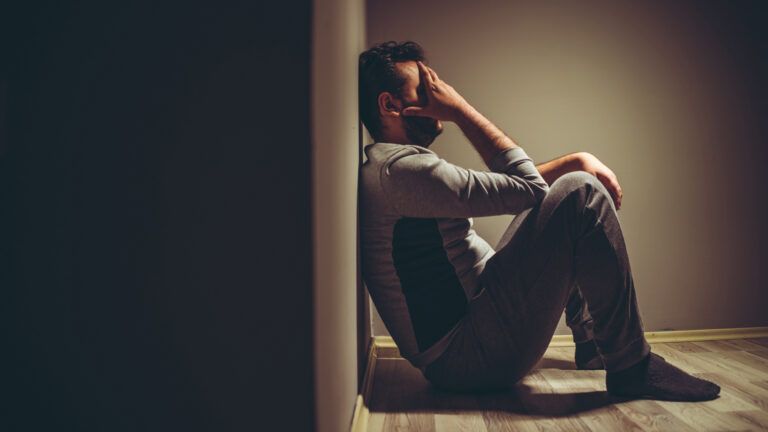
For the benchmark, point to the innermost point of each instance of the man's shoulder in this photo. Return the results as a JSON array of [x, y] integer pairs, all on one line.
[[382, 155], [383, 151]]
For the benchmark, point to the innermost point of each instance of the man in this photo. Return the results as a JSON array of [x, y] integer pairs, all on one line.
[[471, 317]]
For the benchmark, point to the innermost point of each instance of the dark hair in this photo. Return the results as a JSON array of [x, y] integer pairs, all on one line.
[[378, 74]]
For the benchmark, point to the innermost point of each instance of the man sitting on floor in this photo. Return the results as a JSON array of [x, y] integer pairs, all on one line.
[[468, 316]]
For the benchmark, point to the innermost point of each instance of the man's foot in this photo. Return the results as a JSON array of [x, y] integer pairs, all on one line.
[[654, 378], [587, 357]]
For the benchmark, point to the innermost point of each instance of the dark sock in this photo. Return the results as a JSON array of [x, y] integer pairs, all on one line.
[[654, 378], [587, 357]]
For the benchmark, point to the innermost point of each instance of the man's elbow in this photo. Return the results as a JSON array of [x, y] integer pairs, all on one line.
[[535, 193], [524, 195], [539, 190]]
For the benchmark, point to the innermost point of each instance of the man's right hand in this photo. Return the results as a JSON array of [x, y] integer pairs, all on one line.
[[443, 102], [607, 177]]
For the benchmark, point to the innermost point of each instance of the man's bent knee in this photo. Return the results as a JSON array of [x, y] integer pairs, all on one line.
[[576, 180]]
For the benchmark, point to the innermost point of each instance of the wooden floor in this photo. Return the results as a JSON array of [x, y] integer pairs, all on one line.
[[556, 397]]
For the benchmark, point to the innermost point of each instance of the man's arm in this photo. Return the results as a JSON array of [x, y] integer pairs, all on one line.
[[445, 103], [582, 161], [555, 168], [423, 185]]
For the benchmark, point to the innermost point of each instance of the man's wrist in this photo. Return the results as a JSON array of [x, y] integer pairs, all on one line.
[[581, 160], [463, 113]]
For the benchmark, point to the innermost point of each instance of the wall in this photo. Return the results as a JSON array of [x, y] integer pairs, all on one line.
[[156, 219], [340, 345], [671, 96]]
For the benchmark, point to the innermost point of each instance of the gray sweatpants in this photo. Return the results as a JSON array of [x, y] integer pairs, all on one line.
[[567, 253]]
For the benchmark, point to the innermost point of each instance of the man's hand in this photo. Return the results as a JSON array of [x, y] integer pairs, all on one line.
[[582, 161], [442, 101], [592, 165]]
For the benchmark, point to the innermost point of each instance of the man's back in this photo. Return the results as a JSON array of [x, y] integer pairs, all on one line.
[[421, 257]]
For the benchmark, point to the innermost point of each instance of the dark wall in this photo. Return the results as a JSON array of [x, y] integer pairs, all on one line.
[[155, 249]]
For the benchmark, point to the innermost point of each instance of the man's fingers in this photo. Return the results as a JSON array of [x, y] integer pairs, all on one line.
[[619, 192], [433, 74], [426, 76], [613, 187], [614, 197], [617, 195]]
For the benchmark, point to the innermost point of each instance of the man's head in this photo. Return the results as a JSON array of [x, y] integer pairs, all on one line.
[[389, 82]]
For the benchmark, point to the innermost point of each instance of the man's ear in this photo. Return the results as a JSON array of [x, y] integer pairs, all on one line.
[[388, 105]]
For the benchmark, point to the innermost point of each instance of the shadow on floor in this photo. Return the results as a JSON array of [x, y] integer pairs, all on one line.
[[402, 388], [551, 363]]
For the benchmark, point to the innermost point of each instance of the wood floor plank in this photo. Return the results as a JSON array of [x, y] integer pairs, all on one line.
[[609, 419], [745, 344], [652, 417], [716, 346], [747, 392], [687, 347], [762, 353], [508, 413], [759, 341], [409, 422], [551, 410], [732, 397], [421, 422], [701, 362], [702, 418], [565, 380], [502, 421], [460, 422], [376, 422], [756, 363], [679, 359], [761, 383], [758, 419], [725, 362]]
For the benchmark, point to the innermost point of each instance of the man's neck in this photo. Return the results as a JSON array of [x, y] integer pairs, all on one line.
[[397, 140]]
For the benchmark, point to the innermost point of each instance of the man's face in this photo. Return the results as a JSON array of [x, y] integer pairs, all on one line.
[[420, 130]]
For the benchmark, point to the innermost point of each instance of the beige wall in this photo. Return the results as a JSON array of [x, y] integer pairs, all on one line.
[[665, 94], [337, 40]]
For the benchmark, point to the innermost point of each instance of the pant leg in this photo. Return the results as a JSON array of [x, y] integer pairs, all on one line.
[[577, 316], [571, 238]]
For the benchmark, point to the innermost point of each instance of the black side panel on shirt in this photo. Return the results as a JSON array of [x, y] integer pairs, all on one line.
[[433, 292]]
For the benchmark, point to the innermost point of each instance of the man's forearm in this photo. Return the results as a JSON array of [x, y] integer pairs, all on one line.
[[555, 168], [487, 139]]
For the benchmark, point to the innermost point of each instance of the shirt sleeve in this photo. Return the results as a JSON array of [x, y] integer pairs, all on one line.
[[424, 185]]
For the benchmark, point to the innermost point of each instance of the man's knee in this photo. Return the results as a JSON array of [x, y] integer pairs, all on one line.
[[575, 181], [580, 188]]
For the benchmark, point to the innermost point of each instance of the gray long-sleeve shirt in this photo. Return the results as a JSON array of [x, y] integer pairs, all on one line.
[[420, 256]]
